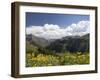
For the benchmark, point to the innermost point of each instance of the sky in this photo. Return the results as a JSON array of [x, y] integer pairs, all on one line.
[[39, 19], [55, 26]]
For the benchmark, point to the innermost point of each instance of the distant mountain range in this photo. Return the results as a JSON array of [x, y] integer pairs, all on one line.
[[68, 43]]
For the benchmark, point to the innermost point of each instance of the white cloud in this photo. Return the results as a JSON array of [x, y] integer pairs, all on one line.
[[80, 28], [51, 31]]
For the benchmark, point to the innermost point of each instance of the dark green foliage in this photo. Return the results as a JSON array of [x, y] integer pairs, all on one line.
[[71, 44], [29, 48]]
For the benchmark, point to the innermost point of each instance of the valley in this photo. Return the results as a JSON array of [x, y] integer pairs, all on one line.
[[69, 50]]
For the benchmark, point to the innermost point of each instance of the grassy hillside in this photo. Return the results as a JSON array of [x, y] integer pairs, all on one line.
[[54, 60], [72, 50]]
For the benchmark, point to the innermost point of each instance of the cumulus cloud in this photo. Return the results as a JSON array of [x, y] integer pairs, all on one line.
[[51, 31]]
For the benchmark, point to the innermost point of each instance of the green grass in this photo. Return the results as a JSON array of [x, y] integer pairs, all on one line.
[[67, 58]]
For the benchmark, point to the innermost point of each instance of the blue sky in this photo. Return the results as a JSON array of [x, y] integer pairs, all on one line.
[[63, 20]]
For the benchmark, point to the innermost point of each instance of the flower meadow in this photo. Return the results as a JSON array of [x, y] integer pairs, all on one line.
[[67, 58]]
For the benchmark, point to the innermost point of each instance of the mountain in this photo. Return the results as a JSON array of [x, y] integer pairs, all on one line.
[[37, 41], [85, 36], [70, 43]]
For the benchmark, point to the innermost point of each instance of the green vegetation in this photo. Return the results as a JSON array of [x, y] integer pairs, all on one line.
[[33, 60], [72, 50]]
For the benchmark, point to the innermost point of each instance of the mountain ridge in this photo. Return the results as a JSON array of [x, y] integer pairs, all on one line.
[[68, 43]]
